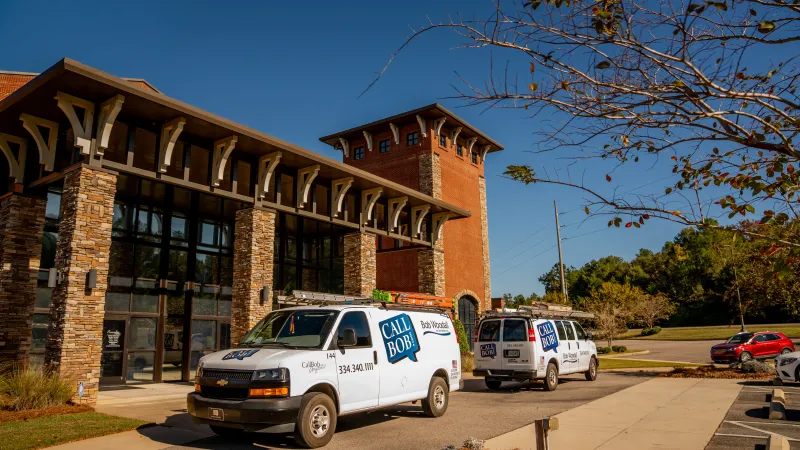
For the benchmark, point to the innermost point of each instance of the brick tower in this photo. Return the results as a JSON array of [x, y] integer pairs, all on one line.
[[431, 150]]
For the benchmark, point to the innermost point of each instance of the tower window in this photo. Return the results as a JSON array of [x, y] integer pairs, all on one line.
[[442, 140], [459, 150], [412, 138], [385, 146], [474, 158], [358, 153]]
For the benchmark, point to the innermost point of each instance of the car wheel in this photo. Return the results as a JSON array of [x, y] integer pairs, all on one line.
[[435, 404], [316, 421], [785, 351], [551, 377], [492, 383], [745, 356], [796, 373], [227, 432], [591, 374]]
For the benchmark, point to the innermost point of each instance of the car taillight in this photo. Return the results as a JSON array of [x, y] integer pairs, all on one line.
[[531, 335]]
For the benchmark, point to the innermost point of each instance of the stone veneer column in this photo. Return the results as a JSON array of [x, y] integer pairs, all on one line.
[[253, 248], [75, 336], [487, 276], [360, 268], [430, 262], [21, 225]]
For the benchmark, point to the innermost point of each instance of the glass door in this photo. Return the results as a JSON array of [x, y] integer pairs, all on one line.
[[112, 363]]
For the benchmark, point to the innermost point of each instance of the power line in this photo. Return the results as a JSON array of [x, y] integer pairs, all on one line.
[[529, 259], [523, 240]]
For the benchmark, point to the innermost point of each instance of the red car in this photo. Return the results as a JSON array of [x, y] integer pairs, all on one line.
[[745, 346]]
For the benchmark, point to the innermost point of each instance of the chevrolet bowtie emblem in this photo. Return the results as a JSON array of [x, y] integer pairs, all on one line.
[[222, 383]]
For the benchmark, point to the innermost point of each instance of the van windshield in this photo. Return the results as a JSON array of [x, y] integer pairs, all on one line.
[[291, 328]]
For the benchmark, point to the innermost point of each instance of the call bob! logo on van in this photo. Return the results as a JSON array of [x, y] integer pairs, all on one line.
[[399, 338], [547, 333]]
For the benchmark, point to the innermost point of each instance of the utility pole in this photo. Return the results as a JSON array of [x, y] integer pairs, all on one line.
[[560, 256], [736, 278]]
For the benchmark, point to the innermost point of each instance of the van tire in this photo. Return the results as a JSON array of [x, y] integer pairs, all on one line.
[[551, 377], [311, 430], [492, 383], [591, 374], [435, 404]]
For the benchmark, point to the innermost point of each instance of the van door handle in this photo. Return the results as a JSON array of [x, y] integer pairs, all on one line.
[[569, 345], [579, 345], [375, 356]]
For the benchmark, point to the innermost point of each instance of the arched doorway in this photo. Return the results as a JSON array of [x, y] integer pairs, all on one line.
[[467, 314]]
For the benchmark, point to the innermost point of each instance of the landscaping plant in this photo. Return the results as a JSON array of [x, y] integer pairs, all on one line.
[[23, 387], [651, 331]]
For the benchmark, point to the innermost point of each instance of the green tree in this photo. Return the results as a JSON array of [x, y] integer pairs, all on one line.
[[613, 306]]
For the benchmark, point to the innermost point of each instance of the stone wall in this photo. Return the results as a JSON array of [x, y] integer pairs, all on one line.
[[487, 276], [431, 271], [74, 340], [21, 226], [253, 249], [430, 175], [359, 264]]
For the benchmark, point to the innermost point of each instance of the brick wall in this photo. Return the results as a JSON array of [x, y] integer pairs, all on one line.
[[397, 270], [21, 225], [74, 339]]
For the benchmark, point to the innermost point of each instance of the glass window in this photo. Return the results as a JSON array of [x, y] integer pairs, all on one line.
[[562, 335], [356, 320], [569, 330], [117, 150], [53, 206], [385, 146], [120, 222], [140, 366], [474, 158], [740, 338], [204, 338], [302, 329], [773, 337], [579, 331], [142, 333], [144, 149], [120, 276], [224, 336], [40, 322], [514, 330], [443, 140], [412, 138], [358, 153], [459, 149], [490, 331], [760, 338]]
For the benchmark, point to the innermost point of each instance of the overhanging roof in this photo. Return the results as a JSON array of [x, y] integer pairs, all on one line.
[[71, 77]]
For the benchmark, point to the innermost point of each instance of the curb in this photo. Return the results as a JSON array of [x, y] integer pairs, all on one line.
[[777, 407], [777, 442], [625, 355]]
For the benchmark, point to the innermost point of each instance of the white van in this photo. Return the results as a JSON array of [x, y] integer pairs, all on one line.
[[300, 368], [523, 347]]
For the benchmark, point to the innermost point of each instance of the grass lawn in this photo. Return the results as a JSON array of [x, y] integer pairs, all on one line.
[[53, 430], [627, 363], [711, 333]]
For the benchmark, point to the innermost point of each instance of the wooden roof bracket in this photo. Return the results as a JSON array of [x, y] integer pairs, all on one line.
[[105, 122], [438, 224], [368, 199], [170, 132], [368, 138], [305, 177], [16, 164], [47, 150], [222, 151], [454, 135], [437, 125], [395, 133], [396, 206], [82, 128], [471, 143], [423, 129], [345, 146], [418, 213], [338, 190], [266, 167]]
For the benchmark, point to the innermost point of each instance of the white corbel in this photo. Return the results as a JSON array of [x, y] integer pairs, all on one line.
[[454, 136], [305, 177], [418, 213], [422, 128], [82, 128], [470, 143], [222, 151], [16, 164], [396, 206], [108, 115], [47, 149], [438, 224], [338, 190], [484, 150], [395, 133], [345, 146], [368, 138], [266, 167], [437, 125], [368, 199], [170, 132]]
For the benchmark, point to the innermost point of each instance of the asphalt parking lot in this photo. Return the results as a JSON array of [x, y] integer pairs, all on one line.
[[682, 351], [746, 426], [475, 412]]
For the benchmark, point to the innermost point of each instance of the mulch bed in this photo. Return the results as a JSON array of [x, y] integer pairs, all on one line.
[[16, 416], [715, 372]]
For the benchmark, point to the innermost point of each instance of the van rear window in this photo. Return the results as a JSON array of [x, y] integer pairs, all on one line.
[[490, 331], [514, 331]]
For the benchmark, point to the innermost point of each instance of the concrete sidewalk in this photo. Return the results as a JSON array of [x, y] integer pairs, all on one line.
[[663, 413]]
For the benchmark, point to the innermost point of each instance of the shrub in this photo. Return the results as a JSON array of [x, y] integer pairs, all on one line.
[[603, 350], [754, 366], [651, 331], [463, 342], [24, 388], [467, 362], [619, 348]]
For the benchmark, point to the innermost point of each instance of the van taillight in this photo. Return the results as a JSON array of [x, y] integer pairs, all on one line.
[[531, 335]]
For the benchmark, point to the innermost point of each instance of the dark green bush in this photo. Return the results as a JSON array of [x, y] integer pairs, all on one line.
[[619, 348], [463, 343], [651, 331], [603, 350]]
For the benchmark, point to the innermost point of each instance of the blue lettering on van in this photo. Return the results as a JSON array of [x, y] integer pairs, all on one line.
[[399, 338], [239, 354], [488, 351], [547, 334]]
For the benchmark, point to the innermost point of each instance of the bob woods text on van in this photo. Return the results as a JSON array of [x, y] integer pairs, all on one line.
[[399, 338]]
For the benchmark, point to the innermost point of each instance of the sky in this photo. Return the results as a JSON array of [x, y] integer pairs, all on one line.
[[296, 70]]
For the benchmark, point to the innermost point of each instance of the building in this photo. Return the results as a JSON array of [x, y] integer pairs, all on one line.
[[139, 233]]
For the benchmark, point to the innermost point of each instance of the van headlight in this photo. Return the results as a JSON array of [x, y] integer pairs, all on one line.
[[787, 361], [281, 374], [199, 372]]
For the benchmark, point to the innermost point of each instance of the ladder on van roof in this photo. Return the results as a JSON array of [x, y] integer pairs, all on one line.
[[542, 313], [400, 300]]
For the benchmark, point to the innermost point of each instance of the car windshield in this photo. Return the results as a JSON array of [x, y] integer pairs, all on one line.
[[291, 328], [740, 338]]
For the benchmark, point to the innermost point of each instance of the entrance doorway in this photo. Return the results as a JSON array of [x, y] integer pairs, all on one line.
[[467, 314]]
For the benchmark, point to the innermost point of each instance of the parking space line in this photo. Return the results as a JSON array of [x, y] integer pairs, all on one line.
[[764, 423], [734, 422], [741, 435]]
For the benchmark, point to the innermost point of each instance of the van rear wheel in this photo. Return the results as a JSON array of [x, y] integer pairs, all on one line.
[[492, 383], [591, 374], [551, 377], [435, 404], [316, 421]]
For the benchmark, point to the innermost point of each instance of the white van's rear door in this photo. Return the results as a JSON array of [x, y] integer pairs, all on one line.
[[516, 348], [488, 344]]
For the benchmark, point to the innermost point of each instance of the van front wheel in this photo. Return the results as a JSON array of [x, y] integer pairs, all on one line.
[[551, 378], [492, 383], [591, 374], [316, 421], [435, 404]]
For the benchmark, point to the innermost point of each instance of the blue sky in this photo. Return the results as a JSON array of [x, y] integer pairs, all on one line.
[[295, 70]]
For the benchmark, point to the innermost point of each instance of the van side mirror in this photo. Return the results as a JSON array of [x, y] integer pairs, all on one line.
[[348, 338]]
